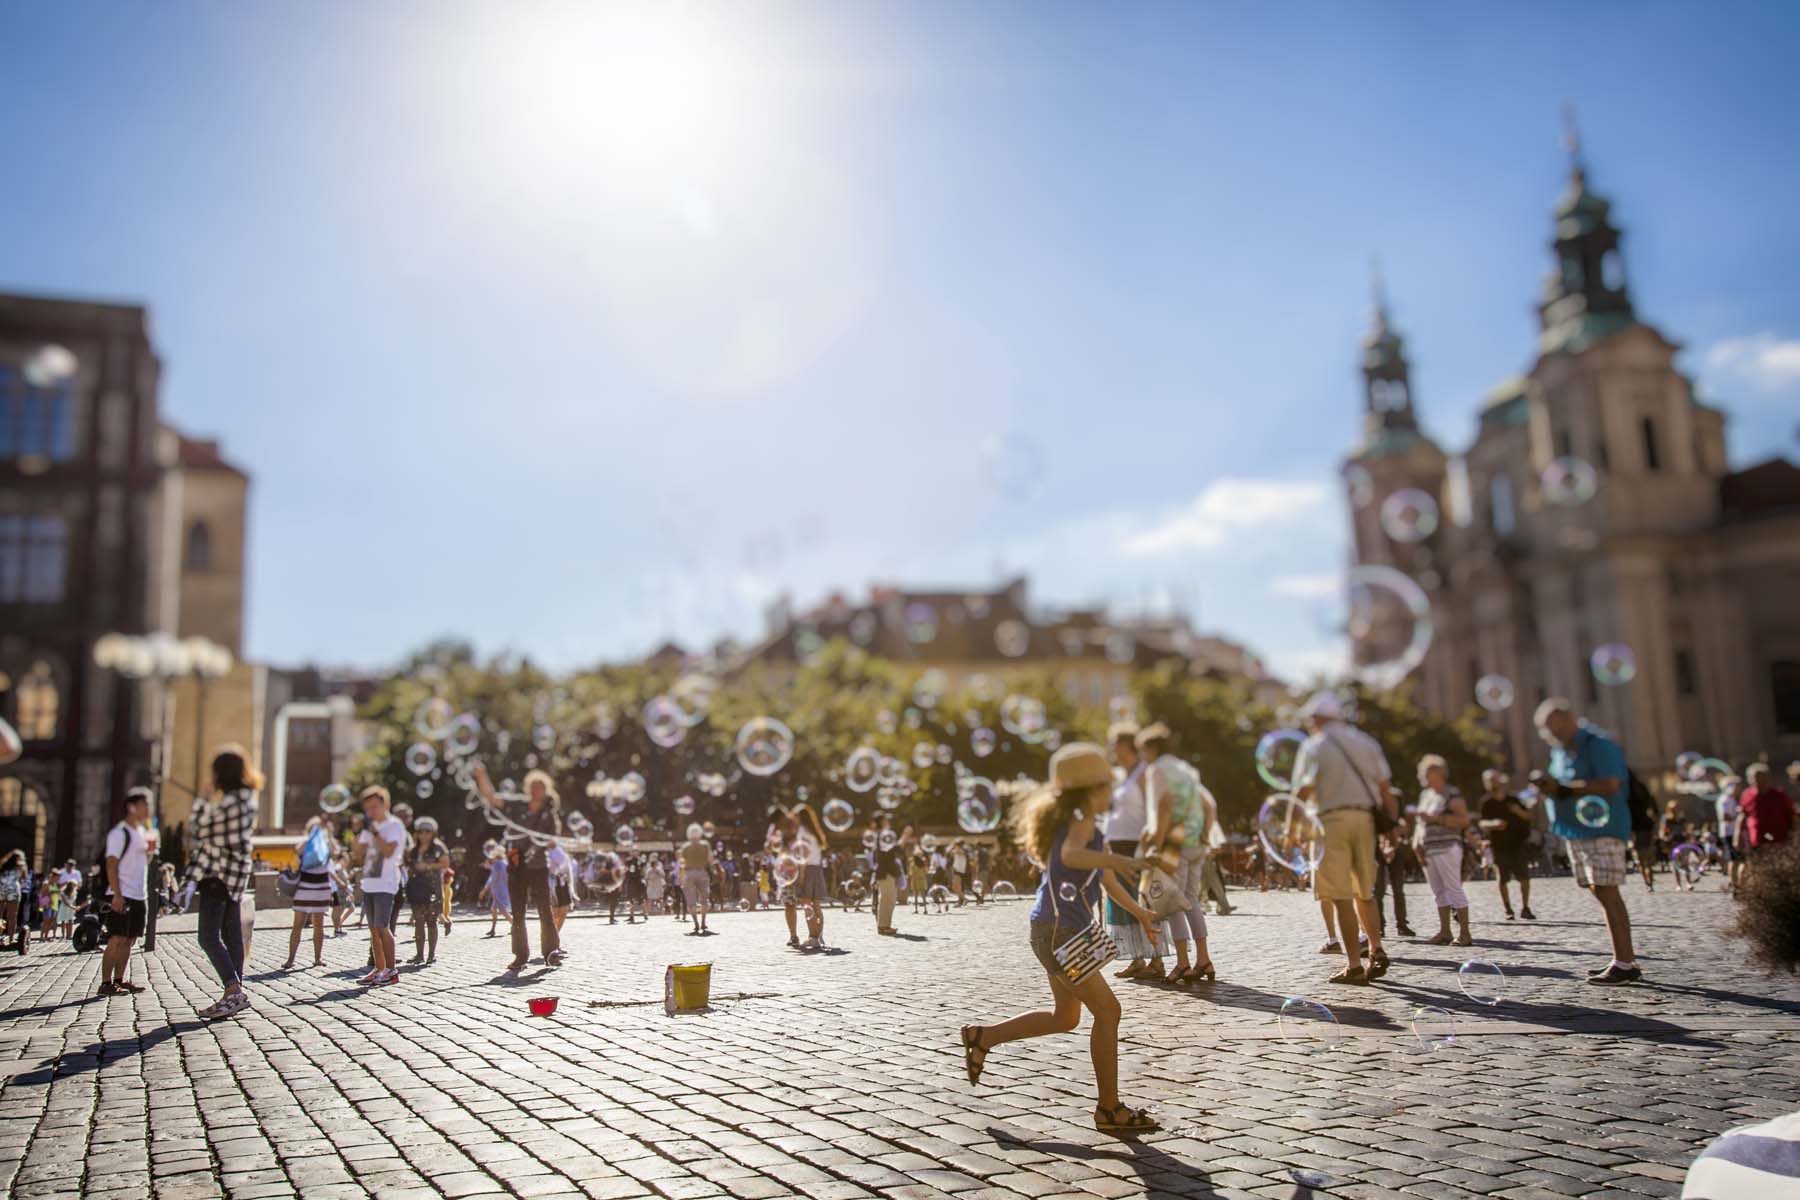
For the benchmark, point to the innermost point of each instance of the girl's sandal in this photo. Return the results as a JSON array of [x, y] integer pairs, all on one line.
[[974, 1053], [1123, 1118]]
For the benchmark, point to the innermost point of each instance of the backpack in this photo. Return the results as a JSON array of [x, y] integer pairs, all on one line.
[[1641, 802], [103, 885]]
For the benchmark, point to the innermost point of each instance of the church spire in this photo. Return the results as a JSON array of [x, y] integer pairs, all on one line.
[[1585, 297]]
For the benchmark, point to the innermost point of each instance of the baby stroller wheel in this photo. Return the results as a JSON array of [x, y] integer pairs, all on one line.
[[87, 933]]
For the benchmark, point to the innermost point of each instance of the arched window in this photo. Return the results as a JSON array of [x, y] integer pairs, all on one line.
[[1612, 271], [38, 703], [197, 556], [1652, 455]]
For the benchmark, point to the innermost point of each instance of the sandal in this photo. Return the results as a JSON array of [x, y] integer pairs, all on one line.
[[1354, 975], [1439, 939], [1153, 975], [1136, 972], [1198, 973], [1123, 1118], [974, 1053]]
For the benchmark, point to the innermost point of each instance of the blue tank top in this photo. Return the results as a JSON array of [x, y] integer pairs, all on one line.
[[1084, 885]]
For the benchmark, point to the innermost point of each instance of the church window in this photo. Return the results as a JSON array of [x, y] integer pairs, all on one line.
[[1684, 672], [197, 555], [1652, 455], [38, 702], [1500, 501], [1612, 271]]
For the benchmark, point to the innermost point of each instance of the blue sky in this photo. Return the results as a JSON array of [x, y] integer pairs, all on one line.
[[572, 326]]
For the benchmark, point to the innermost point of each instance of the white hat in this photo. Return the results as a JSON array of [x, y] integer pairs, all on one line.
[[1324, 706]]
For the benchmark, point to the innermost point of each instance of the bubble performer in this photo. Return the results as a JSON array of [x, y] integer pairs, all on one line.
[[538, 821], [1058, 825]]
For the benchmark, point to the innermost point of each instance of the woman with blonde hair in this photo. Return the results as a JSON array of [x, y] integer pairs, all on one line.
[[1058, 826], [313, 892], [1438, 837]]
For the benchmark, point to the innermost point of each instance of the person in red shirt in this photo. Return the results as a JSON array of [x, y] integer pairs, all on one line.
[[1767, 812]]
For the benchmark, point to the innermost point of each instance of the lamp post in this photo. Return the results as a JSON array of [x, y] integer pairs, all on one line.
[[163, 657]]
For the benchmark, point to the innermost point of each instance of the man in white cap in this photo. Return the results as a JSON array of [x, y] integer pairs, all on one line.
[[1343, 770]]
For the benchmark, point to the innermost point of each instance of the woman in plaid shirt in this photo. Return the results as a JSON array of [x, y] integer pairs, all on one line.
[[219, 862]]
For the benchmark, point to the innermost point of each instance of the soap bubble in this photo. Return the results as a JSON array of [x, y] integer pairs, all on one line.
[[923, 754], [1012, 638], [1409, 515], [1120, 648], [981, 742], [979, 809], [434, 718], [868, 839], [423, 789], [1122, 710], [606, 723], [664, 721], [335, 798], [683, 805], [1360, 484], [862, 769], [1024, 716], [1481, 981], [885, 721], [937, 893], [1067, 892], [837, 815], [1688, 862], [1290, 833], [544, 738], [692, 695], [928, 842], [609, 872], [50, 365], [929, 688], [764, 745], [1275, 754], [1433, 1027], [625, 837], [920, 620], [421, 757], [787, 870], [889, 798], [1388, 618], [1708, 775], [614, 800], [1308, 1025], [1494, 692], [944, 754], [1684, 762], [631, 786], [464, 737], [887, 840], [1593, 811], [1012, 463], [1004, 891], [1614, 664], [1569, 482]]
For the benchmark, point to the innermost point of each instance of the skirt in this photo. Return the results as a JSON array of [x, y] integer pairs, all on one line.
[[1122, 927], [314, 893]]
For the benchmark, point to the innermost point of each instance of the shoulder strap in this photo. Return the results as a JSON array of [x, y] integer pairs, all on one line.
[[1374, 800]]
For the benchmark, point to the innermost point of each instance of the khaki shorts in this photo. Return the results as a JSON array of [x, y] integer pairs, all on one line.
[[1598, 862], [1347, 872]]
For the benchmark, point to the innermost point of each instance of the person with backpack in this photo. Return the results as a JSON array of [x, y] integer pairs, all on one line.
[[315, 892], [127, 863]]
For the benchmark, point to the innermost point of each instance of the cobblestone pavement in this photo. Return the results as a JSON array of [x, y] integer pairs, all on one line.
[[838, 1074]]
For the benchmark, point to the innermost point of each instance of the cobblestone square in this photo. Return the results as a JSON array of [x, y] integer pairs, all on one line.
[[838, 1074]]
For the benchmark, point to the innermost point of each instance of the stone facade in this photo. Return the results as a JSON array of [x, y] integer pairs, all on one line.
[[1675, 556]]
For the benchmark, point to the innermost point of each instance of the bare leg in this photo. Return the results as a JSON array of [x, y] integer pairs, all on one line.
[[294, 940], [1328, 910], [1618, 922], [1346, 919], [318, 924], [1371, 924]]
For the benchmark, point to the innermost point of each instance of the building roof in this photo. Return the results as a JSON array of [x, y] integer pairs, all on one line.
[[203, 454], [1767, 489]]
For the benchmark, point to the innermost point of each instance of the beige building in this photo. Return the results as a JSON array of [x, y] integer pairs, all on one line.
[[1691, 566]]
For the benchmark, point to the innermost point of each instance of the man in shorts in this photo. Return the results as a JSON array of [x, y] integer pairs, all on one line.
[[1344, 770], [1588, 791], [127, 864], [380, 846]]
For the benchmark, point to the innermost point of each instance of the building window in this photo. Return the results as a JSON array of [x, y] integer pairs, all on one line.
[[198, 554], [1652, 456], [1684, 672], [35, 422], [1500, 498], [34, 555], [38, 702], [1612, 271], [1784, 677]]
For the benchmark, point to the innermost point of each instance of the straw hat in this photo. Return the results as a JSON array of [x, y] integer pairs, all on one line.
[[1156, 731], [1077, 766], [1122, 731]]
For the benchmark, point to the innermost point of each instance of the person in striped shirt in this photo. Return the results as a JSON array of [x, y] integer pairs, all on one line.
[[1760, 1162]]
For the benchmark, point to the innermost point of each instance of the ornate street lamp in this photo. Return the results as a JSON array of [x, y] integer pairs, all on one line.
[[163, 657]]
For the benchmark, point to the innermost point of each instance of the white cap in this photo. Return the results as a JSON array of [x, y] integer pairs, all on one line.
[[1324, 706]]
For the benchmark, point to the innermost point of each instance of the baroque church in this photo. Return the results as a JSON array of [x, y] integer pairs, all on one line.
[[1688, 565]]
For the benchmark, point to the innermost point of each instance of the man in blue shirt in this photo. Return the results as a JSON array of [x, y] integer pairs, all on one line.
[[1587, 791]]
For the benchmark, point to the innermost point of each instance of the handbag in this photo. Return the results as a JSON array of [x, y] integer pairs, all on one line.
[[1086, 952], [287, 883], [1384, 821], [1159, 892]]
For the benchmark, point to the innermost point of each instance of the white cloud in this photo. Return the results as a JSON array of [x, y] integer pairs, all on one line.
[[1298, 666], [1228, 506], [1768, 361], [1308, 587]]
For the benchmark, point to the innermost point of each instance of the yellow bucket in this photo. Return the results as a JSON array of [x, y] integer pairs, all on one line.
[[687, 988]]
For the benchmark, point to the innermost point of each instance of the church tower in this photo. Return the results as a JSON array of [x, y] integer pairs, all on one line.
[[1585, 296]]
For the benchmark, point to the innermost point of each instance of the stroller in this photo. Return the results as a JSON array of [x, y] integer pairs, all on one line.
[[89, 928]]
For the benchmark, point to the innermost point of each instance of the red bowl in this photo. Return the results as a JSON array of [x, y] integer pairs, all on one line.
[[542, 1006]]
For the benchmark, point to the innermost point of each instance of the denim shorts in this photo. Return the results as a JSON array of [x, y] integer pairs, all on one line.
[[378, 907], [1045, 938]]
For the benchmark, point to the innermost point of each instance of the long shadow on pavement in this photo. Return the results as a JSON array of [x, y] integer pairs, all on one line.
[[1161, 1173], [92, 1056]]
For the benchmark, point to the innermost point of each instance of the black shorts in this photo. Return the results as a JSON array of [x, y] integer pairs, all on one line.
[[562, 898], [1512, 862], [127, 924]]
